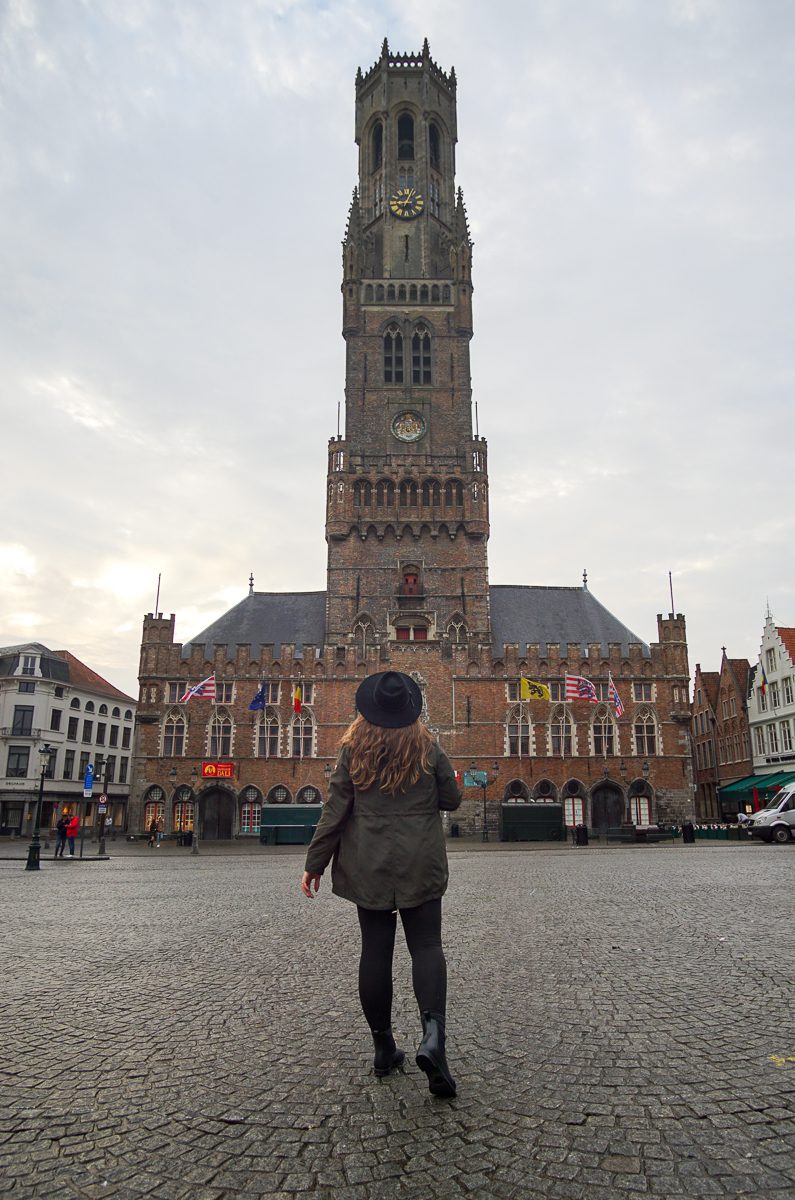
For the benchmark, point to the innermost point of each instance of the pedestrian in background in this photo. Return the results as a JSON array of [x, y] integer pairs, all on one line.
[[152, 833], [161, 827], [382, 827], [71, 833], [60, 835]]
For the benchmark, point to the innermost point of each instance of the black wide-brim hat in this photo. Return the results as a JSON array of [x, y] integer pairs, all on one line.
[[389, 699]]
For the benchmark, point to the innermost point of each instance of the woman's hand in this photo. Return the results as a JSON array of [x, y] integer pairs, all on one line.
[[308, 882]]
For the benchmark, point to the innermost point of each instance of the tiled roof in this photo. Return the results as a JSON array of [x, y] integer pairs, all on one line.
[[741, 669], [554, 616], [788, 638], [710, 681], [83, 677]]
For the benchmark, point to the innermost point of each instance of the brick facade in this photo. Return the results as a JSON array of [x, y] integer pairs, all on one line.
[[407, 527]]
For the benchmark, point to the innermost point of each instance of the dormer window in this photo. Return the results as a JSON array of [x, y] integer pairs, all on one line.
[[28, 664], [405, 130]]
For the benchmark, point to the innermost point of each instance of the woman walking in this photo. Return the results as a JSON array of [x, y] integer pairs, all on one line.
[[382, 826]]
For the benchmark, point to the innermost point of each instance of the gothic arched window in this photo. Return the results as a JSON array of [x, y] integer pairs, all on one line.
[[454, 493], [384, 493], [645, 730], [408, 493], [560, 736], [364, 634], [268, 734], [221, 735], [421, 355], [393, 354], [604, 733], [456, 629], [302, 731], [405, 132], [174, 735], [377, 146], [431, 492], [363, 493], [517, 730], [434, 147]]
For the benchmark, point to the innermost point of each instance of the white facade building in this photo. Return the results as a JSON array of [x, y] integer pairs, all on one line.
[[50, 698], [771, 704]]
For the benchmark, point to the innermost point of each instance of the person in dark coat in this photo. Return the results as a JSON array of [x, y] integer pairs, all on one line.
[[381, 829], [60, 835]]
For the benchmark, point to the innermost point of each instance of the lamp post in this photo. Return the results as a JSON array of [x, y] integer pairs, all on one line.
[[103, 793], [328, 772], [194, 842], [483, 785], [34, 850]]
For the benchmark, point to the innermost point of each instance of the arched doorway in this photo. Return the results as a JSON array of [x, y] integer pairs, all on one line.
[[216, 815], [607, 806]]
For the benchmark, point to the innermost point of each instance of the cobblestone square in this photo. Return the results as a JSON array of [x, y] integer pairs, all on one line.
[[620, 1021]]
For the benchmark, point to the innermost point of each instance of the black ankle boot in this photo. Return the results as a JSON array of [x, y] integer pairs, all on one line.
[[387, 1055], [431, 1057]]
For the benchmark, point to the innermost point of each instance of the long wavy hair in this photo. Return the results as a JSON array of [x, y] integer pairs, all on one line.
[[396, 757]]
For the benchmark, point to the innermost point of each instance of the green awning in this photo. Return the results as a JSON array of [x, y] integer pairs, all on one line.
[[762, 783]]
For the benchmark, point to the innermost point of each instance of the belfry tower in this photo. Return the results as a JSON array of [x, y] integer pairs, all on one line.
[[407, 520]]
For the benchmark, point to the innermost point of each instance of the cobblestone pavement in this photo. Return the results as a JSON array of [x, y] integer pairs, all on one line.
[[620, 1022]]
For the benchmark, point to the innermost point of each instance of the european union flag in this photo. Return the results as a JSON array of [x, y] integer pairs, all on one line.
[[259, 700]]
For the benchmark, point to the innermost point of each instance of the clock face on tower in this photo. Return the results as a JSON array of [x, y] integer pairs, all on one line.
[[406, 203]]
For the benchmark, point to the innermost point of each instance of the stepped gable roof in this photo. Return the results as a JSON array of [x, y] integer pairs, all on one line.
[[710, 681], [265, 619], [83, 677], [554, 616], [741, 670], [788, 638]]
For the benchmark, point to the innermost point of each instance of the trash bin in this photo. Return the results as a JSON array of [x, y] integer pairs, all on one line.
[[688, 833], [580, 835], [455, 830], [186, 838]]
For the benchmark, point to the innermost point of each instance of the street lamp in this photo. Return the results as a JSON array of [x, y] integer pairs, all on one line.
[[194, 842], [328, 772], [34, 850], [483, 784]]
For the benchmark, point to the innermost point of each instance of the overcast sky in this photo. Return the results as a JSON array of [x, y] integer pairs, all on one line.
[[174, 187]]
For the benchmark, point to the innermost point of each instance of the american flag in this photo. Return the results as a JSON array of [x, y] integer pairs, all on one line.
[[613, 696], [578, 688], [202, 691]]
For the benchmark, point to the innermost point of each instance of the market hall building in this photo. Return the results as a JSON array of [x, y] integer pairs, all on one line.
[[407, 587]]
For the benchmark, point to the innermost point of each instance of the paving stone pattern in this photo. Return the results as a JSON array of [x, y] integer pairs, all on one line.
[[620, 1022]]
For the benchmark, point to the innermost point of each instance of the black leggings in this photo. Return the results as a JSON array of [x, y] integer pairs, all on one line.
[[423, 929]]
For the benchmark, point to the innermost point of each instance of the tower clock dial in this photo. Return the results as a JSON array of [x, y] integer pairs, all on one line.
[[406, 203]]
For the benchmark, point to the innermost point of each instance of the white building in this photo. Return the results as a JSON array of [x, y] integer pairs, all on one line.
[[50, 698], [771, 706]]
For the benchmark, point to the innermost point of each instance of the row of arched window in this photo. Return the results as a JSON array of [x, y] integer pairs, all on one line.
[[220, 735], [432, 493], [562, 740], [561, 731], [102, 711], [404, 128], [407, 293], [420, 354]]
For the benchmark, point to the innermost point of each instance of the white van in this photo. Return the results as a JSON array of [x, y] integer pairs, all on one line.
[[776, 821]]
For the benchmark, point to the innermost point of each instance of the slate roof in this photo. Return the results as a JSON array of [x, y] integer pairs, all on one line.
[[554, 616], [50, 664], [547, 615], [264, 619]]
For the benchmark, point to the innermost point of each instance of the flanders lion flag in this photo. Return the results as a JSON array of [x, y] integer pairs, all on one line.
[[530, 690]]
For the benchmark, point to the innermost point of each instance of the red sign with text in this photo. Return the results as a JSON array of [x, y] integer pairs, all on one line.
[[215, 770]]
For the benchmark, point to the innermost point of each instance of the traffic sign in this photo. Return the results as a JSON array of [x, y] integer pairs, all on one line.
[[103, 799], [475, 778], [88, 782], [102, 809]]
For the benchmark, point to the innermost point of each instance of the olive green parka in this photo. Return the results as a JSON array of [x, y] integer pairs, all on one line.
[[388, 850]]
